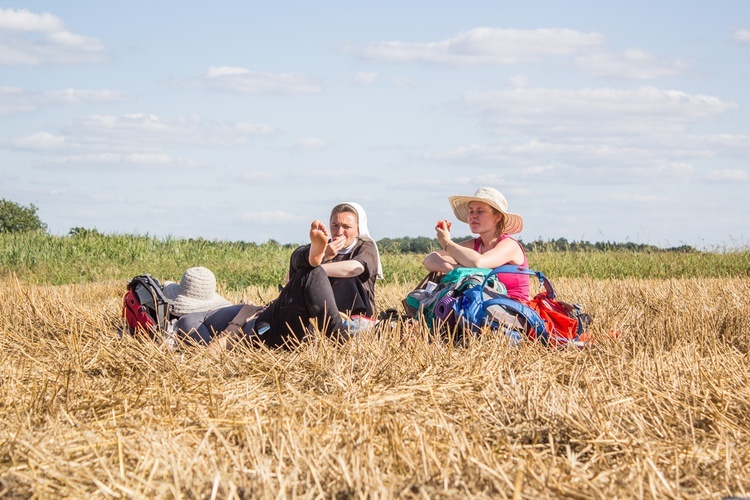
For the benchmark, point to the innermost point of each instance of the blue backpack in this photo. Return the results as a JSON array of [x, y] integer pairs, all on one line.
[[471, 308]]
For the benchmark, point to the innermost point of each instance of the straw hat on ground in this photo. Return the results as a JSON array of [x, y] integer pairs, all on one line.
[[196, 292], [492, 197]]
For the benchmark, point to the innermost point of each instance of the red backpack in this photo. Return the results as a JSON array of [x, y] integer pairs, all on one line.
[[564, 322], [145, 308]]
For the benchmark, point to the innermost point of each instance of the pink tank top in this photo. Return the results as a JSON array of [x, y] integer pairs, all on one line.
[[517, 285]]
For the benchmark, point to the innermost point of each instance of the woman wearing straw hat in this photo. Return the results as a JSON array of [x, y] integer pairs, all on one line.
[[487, 214], [335, 272]]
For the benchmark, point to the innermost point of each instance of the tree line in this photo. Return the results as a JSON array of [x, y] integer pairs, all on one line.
[[423, 245], [18, 218]]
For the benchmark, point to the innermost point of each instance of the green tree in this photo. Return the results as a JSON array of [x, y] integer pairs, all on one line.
[[16, 218]]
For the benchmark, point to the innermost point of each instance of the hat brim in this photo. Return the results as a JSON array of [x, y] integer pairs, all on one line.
[[460, 206], [171, 290], [182, 304]]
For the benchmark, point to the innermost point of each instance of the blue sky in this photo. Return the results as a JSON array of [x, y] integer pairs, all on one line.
[[246, 120]]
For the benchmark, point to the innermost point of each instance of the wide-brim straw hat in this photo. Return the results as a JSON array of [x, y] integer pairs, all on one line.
[[196, 292], [492, 197]]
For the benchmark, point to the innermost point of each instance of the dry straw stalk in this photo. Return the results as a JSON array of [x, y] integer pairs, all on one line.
[[662, 412]]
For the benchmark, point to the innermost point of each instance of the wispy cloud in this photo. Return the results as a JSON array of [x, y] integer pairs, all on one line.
[[642, 111], [516, 46], [365, 78], [139, 132], [403, 81], [634, 64], [17, 100], [486, 46], [110, 161], [741, 36], [270, 217], [243, 81], [27, 38], [311, 144], [728, 175]]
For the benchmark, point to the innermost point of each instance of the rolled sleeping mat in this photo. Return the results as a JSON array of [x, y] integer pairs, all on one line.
[[444, 308]]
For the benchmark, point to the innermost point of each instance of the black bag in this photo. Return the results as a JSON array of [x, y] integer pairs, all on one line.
[[145, 307]]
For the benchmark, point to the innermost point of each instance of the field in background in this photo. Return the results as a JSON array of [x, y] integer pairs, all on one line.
[[94, 258], [661, 412]]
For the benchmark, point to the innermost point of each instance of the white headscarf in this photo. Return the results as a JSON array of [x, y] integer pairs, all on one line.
[[364, 233]]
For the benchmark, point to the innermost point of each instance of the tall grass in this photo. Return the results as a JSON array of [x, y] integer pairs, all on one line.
[[92, 257]]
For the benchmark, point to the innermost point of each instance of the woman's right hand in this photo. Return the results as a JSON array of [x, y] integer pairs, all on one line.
[[443, 230]]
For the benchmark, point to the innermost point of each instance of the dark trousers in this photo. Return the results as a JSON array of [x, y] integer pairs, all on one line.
[[307, 297], [201, 327]]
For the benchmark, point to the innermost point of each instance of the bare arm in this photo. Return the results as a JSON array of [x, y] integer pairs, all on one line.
[[506, 252], [343, 269], [439, 261]]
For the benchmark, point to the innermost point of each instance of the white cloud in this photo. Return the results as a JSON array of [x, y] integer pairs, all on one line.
[[311, 144], [27, 38], [40, 140], [270, 217], [548, 162], [403, 81], [244, 81], [642, 111], [741, 36], [24, 21], [111, 161], [487, 46], [519, 81], [260, 176], [728, 175], [635, 198], [366, 77], [17, 100], [633, 63], [140, 132]]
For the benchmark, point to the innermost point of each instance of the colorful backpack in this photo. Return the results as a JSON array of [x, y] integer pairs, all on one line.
[[545, 319], [145, 307], [469, 301]]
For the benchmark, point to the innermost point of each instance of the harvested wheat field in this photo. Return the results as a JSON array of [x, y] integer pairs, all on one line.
[[661, 412]]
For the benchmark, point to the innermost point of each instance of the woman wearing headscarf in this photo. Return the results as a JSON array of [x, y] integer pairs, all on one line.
[[335, 272], [488, 217], [351, 260]]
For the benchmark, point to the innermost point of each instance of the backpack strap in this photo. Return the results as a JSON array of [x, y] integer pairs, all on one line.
[[534, 322], [514, 269]]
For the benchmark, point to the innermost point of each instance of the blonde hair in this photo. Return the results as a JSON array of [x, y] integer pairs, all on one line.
[[501, 224]]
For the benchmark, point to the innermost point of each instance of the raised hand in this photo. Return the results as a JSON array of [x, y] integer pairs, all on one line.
[[443, 230]]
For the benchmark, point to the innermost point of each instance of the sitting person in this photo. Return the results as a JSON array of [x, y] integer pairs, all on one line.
[[335, 272], [487, 215], [351, 261]]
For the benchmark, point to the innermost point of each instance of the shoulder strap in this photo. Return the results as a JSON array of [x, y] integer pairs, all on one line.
[[152, 284], [533, 320], [514, 269]]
